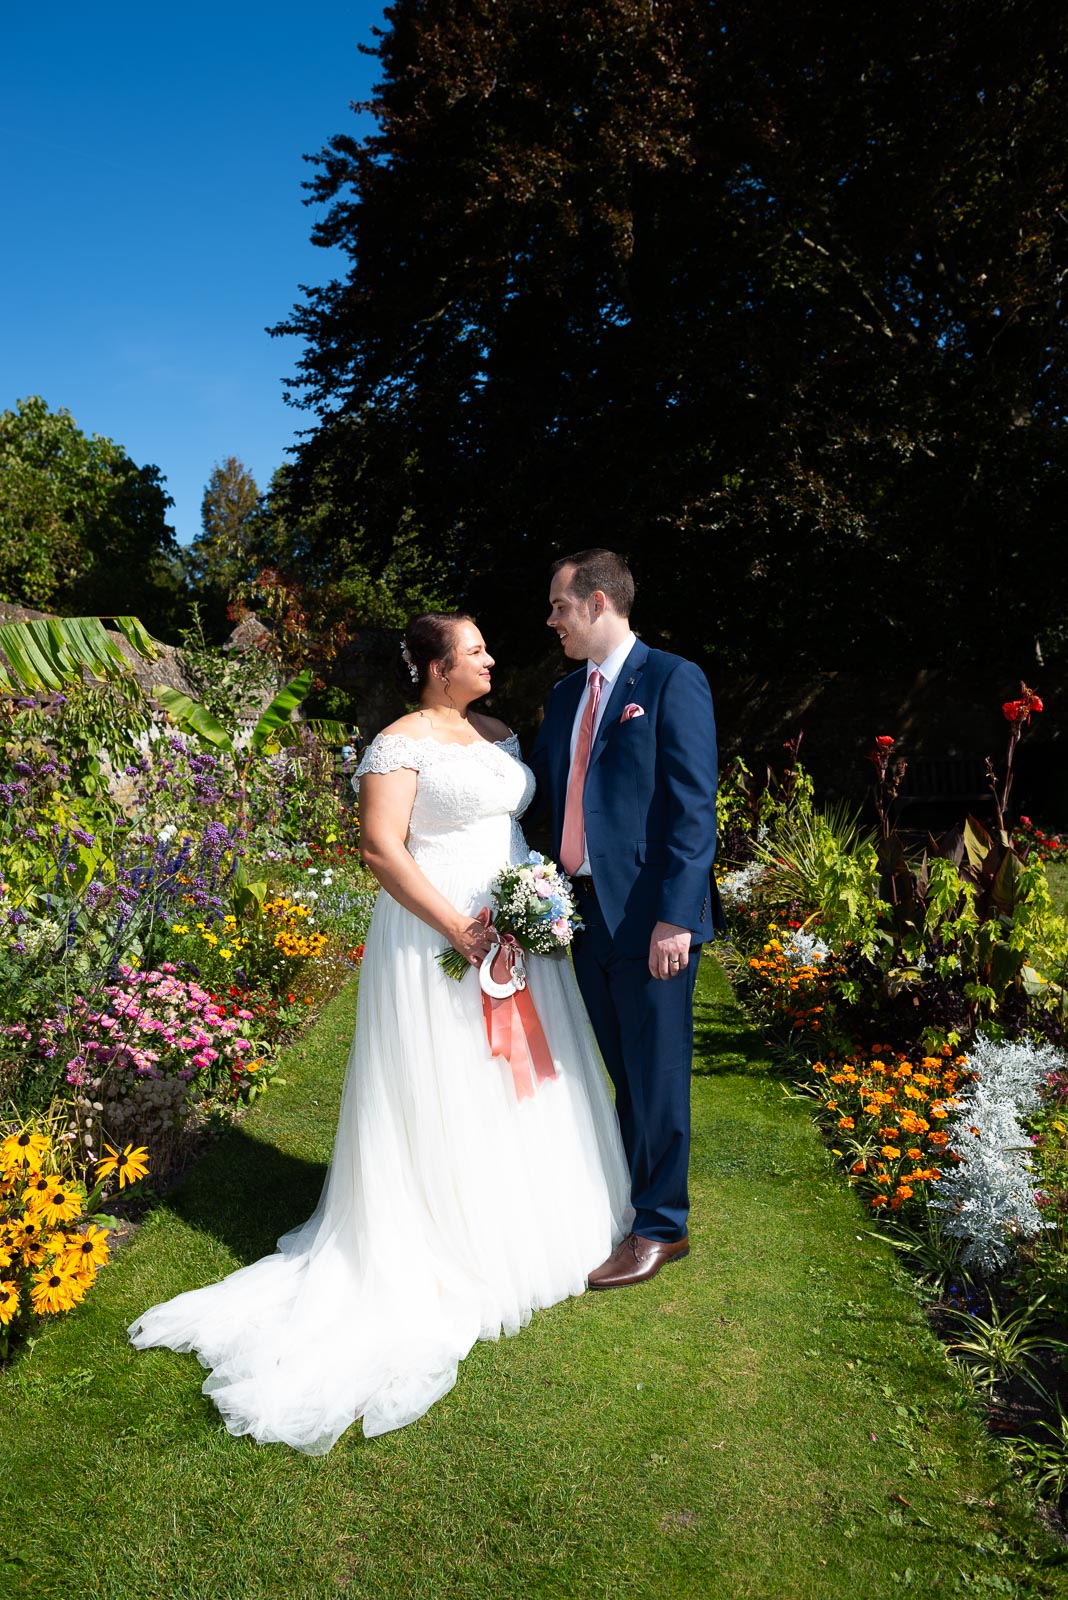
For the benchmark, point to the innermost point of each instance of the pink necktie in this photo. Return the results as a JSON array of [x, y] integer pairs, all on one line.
[[573, 843]]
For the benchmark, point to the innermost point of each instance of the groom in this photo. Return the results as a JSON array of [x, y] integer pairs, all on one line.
[[626, 755]]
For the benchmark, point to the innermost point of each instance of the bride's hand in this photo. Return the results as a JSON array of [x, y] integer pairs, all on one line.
[[472, 939]]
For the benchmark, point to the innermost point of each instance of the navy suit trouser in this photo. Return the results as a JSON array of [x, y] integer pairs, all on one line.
[[644, 1026]]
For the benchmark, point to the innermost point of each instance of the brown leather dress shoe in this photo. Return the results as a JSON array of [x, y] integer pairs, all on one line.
[[636, 1260]]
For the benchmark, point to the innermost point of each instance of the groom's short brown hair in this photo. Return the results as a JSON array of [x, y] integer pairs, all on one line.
[[600, 569]]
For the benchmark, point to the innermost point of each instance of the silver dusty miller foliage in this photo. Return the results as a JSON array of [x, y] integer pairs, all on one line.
[[989, 1195], [737, 887], [803, 949]]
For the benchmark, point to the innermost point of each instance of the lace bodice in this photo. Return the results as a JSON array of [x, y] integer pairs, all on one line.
[[468, 799]]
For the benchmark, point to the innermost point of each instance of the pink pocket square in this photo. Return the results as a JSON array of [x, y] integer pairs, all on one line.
[[632, 711]]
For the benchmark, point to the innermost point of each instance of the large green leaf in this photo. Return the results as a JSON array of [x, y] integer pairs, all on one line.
[[191, 714], [1004, 892], [277, 714], [48, 652], [137, 636], [1004, 965], [977, 844]]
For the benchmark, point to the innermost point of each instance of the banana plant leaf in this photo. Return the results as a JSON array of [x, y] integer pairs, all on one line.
[[191, 714], [277, 714], [51, 651]]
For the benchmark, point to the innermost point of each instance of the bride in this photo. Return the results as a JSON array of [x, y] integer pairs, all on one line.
[[452, 1209]]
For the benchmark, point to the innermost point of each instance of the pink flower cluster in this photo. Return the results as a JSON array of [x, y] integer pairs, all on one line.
[[156, 1025]]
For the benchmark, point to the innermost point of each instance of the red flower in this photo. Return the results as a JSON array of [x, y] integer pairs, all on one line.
[[1026, 822], [884, 741], [1020, 710]]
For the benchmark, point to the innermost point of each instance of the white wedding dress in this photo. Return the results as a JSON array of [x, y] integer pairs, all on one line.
[[452, 1210]]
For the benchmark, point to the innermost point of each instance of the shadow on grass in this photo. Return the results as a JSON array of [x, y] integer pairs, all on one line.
[[724, 1040], [246, 1193]]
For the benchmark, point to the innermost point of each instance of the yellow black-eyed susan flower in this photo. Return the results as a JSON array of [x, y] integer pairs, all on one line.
[[39, 1189], [56, 1288], [128, 1166], [62, 1205], [9, 1301], [22, 1152], [88, 1250]]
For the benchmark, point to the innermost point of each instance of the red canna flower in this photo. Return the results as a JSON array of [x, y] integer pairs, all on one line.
[[884, 741]]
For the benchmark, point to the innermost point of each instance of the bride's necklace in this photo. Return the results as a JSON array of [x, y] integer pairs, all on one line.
[[448, 725]]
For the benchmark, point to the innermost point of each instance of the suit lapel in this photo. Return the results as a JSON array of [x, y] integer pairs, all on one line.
[[622, 692]]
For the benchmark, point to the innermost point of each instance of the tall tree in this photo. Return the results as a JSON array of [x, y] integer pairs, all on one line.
[[82, 528], [768, 296], [314, 593], [229, 550]]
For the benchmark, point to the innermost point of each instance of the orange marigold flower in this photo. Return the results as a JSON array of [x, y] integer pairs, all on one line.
[[880, 1200], [891, 1152], [846, 1122], [938, 1138]]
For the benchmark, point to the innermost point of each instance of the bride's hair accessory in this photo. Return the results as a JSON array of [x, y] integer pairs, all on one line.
[[406, 657]]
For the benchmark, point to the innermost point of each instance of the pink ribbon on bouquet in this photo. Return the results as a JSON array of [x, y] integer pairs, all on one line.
[[513, 1027]]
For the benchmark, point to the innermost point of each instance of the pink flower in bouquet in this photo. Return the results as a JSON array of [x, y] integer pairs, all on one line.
[[561, 927], [542, 889]]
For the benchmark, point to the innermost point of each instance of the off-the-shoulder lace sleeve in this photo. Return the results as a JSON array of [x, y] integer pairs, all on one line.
[[390, 751]]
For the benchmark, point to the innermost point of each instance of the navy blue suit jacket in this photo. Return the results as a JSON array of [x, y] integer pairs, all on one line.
[[649, 798]]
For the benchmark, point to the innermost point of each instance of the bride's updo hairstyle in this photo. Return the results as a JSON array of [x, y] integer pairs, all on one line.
[[428, 637]]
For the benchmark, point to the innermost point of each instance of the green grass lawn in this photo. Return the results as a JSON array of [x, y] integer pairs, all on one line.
[[1057, 873], [770, 1418]]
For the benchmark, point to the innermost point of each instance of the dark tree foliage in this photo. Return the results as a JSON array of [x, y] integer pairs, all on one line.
[[767, 296]]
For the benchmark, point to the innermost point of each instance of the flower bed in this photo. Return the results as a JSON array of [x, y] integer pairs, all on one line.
[[918, 999], [170, 910]]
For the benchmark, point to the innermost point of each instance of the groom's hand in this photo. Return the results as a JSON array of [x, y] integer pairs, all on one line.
[[669, 950]]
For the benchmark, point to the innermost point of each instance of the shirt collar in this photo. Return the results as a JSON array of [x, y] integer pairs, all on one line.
[[612, 664]]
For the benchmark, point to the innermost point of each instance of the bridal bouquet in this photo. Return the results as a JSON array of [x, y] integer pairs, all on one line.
[[534, 908]]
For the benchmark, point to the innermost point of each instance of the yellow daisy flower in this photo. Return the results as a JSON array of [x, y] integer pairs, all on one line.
[[9, 1301], [22, 1152], [129, 1166], [40, 1188], [88, 1250], [62, 1205], [57, 1288]]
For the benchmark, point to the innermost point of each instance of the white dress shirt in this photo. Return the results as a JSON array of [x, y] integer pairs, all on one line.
[[609, 668]]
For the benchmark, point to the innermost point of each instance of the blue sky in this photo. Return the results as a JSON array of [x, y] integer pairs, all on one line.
[[153, 222]]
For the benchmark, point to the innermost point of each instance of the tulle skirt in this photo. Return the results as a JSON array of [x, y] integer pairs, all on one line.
[[452, 1209]]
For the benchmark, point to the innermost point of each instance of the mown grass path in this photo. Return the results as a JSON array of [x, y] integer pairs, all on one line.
[[770, 1418]]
